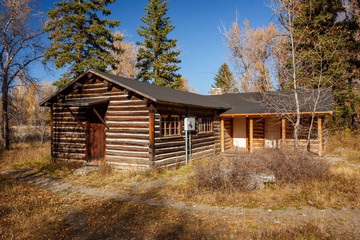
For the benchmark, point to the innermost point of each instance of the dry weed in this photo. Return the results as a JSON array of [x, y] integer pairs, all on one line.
[[26, 155], [236, 173]]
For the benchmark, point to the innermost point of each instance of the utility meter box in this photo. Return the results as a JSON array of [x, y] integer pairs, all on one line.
[[189, 124]]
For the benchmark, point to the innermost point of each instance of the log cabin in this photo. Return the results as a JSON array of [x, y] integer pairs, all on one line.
[[100, 117]]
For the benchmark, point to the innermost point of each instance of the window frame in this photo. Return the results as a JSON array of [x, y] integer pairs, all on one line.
[[206, 126], [169, 130]]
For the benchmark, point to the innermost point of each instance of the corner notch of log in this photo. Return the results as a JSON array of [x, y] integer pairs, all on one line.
[[60, 97], [108, 84], [129, 93], [77, 85]]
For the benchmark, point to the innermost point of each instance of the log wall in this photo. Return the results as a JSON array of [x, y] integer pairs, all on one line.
[[170, 150], [228, 133], [127, 139], [258, 132]]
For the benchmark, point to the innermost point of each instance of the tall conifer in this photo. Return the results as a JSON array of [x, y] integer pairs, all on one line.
[[224, 79], [157, 58], [325, 56], [80, 40]]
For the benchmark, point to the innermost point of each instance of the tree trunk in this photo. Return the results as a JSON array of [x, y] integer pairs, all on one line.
[[297, 124], [5, 114]]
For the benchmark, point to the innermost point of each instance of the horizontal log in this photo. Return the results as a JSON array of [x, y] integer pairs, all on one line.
[[127, 119], [127, 142], [127, 148], [170, 149], [168, 161], [120, 165], [67, 140], [62, 136], [69, 150], [128, 124], [71, 161], [128, 130], [69, 114], [68, 144], [124, 159], [127, 136], [127, 153], [69, 155], [127, 113], [169, 155], [90, 95]]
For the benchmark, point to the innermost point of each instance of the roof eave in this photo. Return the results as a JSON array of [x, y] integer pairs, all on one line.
[[272, 114]]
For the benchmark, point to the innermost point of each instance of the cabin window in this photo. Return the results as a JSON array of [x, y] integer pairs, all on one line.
[[170, 125], [205, 125]]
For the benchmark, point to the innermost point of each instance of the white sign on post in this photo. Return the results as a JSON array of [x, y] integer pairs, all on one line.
[[189, 124]]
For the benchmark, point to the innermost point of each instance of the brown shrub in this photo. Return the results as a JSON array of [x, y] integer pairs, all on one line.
[[237, 172]]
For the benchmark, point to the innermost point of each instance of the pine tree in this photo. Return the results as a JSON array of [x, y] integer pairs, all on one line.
[[324, 58], [80, 40], [224, 79], [157, 58]]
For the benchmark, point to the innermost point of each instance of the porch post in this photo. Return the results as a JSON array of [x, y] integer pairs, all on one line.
[[320, 136], [52, 132], [283, 132], [251, 134], [222, 135]]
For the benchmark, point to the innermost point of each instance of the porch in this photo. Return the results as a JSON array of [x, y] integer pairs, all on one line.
[[251, 132]]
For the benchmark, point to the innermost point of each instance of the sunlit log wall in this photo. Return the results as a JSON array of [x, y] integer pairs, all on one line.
[[228, 133], [170, 150], [127, 138]]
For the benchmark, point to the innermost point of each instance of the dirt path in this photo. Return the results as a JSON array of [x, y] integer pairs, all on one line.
[[345, 222]]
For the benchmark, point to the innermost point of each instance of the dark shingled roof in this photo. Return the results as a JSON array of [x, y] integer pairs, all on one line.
[[238, 103], [163, 94], [276, 101]]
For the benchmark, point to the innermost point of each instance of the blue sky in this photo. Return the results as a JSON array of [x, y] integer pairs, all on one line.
[[197, 25]]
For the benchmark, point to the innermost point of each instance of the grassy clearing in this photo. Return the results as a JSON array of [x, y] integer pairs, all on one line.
[[345, 144], [27, 212], [337, 188]]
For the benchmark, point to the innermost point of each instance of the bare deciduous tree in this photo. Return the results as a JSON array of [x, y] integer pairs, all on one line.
[[128, 59], [251, 52], [20, 46]]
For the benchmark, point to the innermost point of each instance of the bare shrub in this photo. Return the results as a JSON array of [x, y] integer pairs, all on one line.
[[237, 172], [292, 166]]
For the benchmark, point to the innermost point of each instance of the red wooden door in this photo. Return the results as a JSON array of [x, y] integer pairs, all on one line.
[[96, 142], [96, 138]]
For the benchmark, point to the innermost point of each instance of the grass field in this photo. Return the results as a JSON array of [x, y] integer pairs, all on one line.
[[30, 212]]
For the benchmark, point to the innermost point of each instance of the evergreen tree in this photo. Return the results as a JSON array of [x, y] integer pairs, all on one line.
[[224, 79], [80, 40], [324, 55], [157, 58]]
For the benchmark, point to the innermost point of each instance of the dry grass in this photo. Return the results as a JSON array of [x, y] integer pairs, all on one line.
[[27, 212], [315, 185], [236, 173], [345, 144], [26, 155]]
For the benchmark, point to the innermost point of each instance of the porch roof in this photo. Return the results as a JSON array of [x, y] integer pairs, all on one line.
[[276, 102]]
